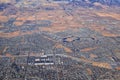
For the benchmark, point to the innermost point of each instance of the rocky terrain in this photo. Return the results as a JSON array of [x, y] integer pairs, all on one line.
[[103, 2], [59, 39]]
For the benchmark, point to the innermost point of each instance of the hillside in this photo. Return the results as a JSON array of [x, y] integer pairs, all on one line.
[[59, 40]]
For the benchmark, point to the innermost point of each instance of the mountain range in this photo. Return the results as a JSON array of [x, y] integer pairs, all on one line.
[[87, 2], [91, 2]]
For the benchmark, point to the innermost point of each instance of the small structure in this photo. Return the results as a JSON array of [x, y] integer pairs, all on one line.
[[42, 60]]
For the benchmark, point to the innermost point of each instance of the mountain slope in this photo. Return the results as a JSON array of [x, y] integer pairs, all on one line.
[[107, 2], [91, 2]]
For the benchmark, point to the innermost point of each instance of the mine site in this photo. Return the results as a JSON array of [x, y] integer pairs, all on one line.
[[59, 39]]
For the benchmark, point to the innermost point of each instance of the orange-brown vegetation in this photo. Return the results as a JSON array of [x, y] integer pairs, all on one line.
[[5, 1], [8, 55], [61, 21], [65, 48], [89, 71], [110, 14], [102, 64], [3, 18], [16, 23], [117, 52], [108, 34], [98, 64], [93, 56], [103, 31], [88, 49], [85, 59], [14, 34], [118, 68]]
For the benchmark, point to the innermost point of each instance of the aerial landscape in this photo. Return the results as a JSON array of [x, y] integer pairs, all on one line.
[[59, 39]]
